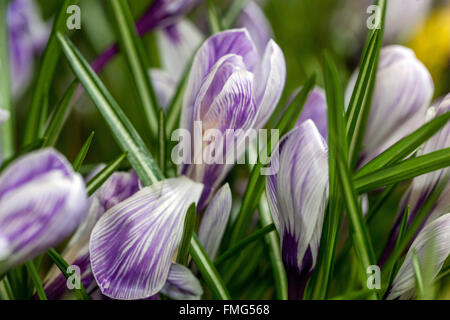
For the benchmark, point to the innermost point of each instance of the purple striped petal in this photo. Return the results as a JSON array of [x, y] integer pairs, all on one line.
[[215, 221], [254, 20], [231, 42], [436, 237], [403, 91], [182, 284], [42, 201], [297, 196], [230, 87], [120, 186], [315, 109], [270, 78], [133, 244]]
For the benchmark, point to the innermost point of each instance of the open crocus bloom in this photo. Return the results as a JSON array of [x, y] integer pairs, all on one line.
[[297, 197], [42, 201], [133, 244], [423, 186], [402, 94], [434, 237], [231, 88]]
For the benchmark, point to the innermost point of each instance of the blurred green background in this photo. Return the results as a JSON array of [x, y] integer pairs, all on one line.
[[302, 28]]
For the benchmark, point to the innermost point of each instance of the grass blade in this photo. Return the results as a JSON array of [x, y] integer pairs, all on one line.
[[97, 181], [273, 242], [405, 146], [207, 269], [133, 50], [360, 102], [59, 116], [418, 275], [126, 135], [7, 127], [244, 243], [78, 162], [404, 170], [189, 226], [37, 112], [62, 266], [215, 24], [31, 268]]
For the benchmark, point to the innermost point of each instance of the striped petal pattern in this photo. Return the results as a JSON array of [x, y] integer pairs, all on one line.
[[403, 91], [42, 201], [120, 186], [230, 87], [435, 236], [133, 243], [297, 197], [215, 221]]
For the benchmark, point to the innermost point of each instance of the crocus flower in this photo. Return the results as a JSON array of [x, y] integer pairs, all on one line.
[[402, 94], [255, 21], [28, 34], [435, 237], [423, 186], [315, 108], [230, 87], [297, 197], [42, 201], [133, 244], [214, 221], [120, 186], [177, 44]]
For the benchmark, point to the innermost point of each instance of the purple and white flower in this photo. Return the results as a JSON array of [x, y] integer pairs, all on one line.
[[28, 34], [230, 87], [133, 244], [423, 186], [432, 246], [255, 21], [315, 109], [42, 201], [215, 221], [402, 94], [297, 197], [120, 186]]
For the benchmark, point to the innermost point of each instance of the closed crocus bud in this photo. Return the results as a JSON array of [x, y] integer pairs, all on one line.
[[422, 187], [254, 20], [133, 244], [403, 92], [432, 247], [28, 34], [297, 197], [231, 88], [42, 201]]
